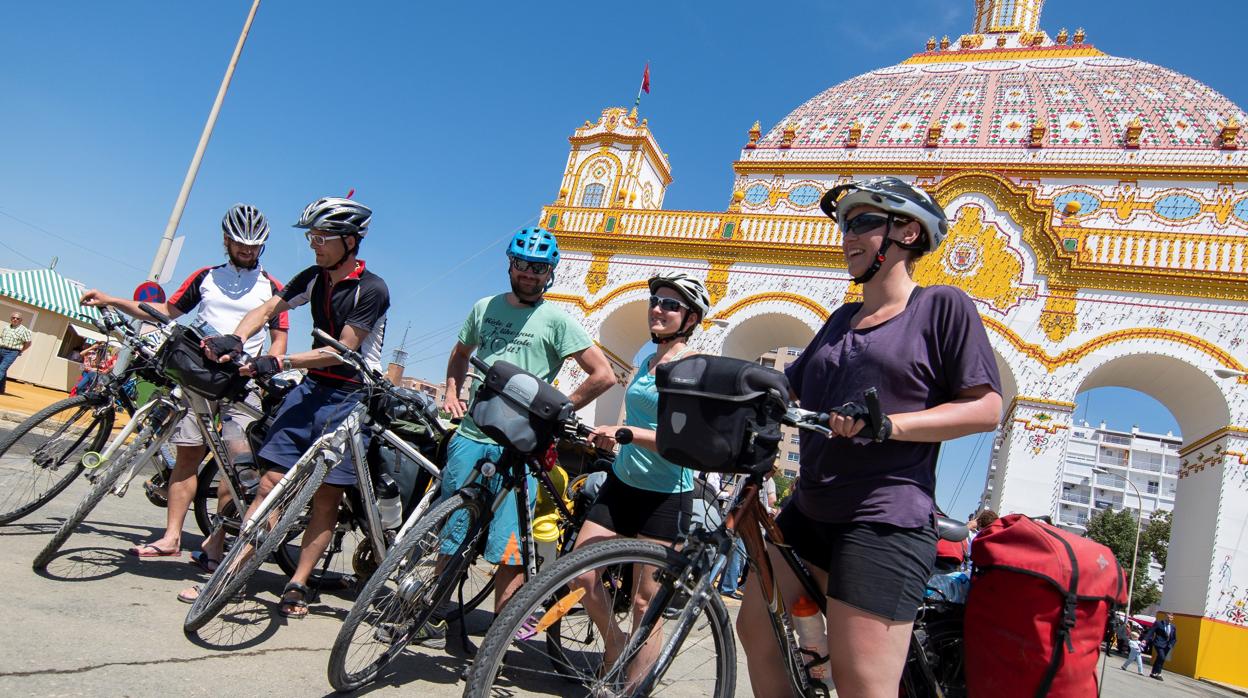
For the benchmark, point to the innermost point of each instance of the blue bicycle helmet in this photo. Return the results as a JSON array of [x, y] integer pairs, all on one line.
[[535, 245]]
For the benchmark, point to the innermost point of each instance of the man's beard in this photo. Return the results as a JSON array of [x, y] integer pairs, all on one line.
[[527, 297], [243, 265]]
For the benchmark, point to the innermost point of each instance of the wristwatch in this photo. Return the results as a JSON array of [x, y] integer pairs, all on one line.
[[286, 363]]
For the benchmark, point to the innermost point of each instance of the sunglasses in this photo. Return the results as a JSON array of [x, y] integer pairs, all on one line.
[[320, 240], [864, 223], [670, 305], [530, 267]]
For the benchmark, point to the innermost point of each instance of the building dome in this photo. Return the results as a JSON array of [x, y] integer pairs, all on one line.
[[1009, 94]]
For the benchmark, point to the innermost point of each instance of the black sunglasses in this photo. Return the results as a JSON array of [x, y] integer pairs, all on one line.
[[671, 305], [531, 267], [864, 223]]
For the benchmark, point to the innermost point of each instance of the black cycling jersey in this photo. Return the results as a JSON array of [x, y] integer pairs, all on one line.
[[360, 300]]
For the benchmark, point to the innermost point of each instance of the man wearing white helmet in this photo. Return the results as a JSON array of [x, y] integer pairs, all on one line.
[[349, 302], [862, 518], [222, 295]]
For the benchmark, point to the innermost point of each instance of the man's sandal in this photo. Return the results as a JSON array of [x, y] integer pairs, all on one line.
[[294, 608]]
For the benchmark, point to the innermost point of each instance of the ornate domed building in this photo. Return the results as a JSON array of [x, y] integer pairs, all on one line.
[[1099, 218]]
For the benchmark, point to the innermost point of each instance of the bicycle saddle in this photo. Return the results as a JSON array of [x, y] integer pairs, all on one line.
[[951, 530]]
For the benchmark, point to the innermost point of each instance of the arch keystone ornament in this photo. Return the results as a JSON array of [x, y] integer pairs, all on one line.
[[1097, 211]]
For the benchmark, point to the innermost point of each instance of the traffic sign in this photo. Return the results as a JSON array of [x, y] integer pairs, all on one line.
[[149, 292]]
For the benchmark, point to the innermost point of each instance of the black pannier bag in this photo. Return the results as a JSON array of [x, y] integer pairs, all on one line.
[[517, 409], [181, 359], [720, 415]]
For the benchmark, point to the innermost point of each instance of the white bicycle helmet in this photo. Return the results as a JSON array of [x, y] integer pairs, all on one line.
[[691, 291], [336, 215], [893, 196], [245, 224]]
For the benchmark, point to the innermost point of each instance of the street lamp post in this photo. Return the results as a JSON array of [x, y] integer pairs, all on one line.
[[1139, 521]]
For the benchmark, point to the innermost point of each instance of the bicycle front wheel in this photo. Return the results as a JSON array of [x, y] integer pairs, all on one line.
[[276, 514], [43, 454], [110, 472], [549, 639], [405, 593]]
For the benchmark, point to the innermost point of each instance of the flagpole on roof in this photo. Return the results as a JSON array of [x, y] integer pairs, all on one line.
[[166, 240], [644, 87]]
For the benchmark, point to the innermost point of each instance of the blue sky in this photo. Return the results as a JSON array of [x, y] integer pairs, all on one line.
[[449, 119]]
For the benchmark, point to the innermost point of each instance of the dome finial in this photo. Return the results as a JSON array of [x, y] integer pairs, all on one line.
[[997, 16]]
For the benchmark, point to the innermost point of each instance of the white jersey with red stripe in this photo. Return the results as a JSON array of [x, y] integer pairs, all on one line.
[[224, 294]]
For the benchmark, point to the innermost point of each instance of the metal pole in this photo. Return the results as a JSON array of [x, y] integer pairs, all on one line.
[[166, 240], [1135, 552]]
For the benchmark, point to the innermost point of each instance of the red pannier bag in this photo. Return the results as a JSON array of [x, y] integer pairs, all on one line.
[[1039, 605]]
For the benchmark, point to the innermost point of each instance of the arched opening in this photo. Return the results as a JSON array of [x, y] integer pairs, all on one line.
[[621, 335], [764, 333], [970, 469]]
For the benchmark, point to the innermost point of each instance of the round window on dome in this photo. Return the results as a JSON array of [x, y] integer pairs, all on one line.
[[756, 194], [1086, 202], [1241, 210], [1177, 207], [804, 195]]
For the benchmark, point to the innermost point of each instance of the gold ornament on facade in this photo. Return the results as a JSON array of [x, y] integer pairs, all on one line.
[[735, 205], [755, 132], [790, 132], [1079, 36], [969, 41], [1037, 134], [1058, 319], [1228, 134], [1062, 36], [1001, 41], [933, 135], [717, 281], [855, 135], [944, 43], [563, 196], [1134, 130], [931, 43], [976, 258], [596, 277]]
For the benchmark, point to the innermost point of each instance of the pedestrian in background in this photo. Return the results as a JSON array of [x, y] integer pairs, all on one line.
[[1163, 637], [1135, 657], [14, 341]]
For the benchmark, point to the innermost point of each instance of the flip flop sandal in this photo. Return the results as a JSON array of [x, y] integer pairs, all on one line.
[[184, 598], [294, 608], [203, 562], [149, 550]]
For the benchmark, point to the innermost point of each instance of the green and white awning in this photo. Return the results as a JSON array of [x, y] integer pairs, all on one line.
[[44, 288]]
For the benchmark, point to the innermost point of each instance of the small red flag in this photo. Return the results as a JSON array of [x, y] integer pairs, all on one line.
[[645, 80]]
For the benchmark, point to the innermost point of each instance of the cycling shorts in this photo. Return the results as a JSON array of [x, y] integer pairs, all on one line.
[[631, 512], [311, 410], [503, 544], [234, 423], [875, 567]]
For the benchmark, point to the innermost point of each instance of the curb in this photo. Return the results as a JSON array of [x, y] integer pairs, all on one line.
[[12, 416], [1226, 686]]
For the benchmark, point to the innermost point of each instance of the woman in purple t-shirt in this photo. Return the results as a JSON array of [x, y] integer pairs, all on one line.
[[862, 516]]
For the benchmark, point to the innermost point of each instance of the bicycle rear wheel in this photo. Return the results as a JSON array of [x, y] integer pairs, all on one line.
[[404, 594], [277, 513], [548, 639], [43, 454]]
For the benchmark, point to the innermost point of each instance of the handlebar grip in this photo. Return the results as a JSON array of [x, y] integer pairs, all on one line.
[[873, 409], [478, 364], [330, 341], [161, 317], [624, 436]]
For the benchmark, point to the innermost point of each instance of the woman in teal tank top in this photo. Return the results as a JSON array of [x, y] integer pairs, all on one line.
[[645, 495]]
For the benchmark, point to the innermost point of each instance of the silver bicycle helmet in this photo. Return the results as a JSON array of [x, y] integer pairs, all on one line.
[[693, 293], [245, 224], [336, 215], [893, 196]]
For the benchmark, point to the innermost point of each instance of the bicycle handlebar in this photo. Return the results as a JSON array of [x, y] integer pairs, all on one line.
[[160, 317]]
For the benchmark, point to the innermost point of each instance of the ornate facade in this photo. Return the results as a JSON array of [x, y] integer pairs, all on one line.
[[1099, 210]]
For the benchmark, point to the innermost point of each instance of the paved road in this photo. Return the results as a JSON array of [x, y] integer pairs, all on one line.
[[101, 623]]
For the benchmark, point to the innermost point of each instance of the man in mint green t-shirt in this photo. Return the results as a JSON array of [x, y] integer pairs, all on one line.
[[519, 328]]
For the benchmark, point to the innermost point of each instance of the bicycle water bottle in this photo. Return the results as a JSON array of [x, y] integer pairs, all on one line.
[[389, 504], [812, 636], [248, 476]]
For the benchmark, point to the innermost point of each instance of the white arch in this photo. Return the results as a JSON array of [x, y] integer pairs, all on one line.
[[1188, 392], [622, 333]]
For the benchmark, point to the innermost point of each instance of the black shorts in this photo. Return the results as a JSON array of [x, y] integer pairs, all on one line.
[[631, 512], [876, 567]]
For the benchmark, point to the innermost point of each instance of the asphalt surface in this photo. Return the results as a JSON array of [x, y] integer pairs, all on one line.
[[99, 622]]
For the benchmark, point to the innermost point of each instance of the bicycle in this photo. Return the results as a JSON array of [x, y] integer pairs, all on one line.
[[280, 516], [700, 635], [414, 583], [42, 456], [148, 430]]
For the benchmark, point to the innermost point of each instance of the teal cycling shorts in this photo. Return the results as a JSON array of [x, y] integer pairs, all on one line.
[[504, 544]]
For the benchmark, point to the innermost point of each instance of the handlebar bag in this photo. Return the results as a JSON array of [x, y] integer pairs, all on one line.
[[182, 360], [720, 415], [517, 409]]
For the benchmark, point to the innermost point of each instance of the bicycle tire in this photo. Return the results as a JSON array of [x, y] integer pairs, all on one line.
[[379, 604], [80, 405], [103, 483], [552, 585], [236, 568], [204, 505]]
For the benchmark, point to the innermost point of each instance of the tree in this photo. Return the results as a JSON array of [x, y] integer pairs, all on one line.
[[1155, 538], [783, 483], [1116, 531]]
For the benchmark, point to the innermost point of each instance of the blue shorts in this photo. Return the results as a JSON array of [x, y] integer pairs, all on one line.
[[503, 545], [308, 412]]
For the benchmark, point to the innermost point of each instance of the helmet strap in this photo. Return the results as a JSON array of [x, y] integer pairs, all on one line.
[[683, 334], [346, 252], [882, 253]]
